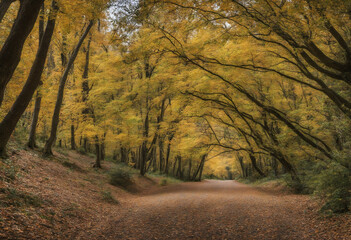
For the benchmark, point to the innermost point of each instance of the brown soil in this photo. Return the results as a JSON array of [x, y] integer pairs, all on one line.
[[222, 210], [73, 208]]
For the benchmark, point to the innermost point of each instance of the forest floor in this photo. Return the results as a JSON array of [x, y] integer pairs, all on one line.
[[51, 199]]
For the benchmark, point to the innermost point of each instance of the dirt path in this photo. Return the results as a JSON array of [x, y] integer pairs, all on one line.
[[218, 210]]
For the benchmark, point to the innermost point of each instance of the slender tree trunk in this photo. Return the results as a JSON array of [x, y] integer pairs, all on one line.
[[31, 141], [275, 167], [98, 154], [240, 159], [139, 158], [168, 153], [174, 167], [189, 173], [153, 158], [199, 169], [4, 6], [143, 159], [179, 171], [56, 115], [10, 54], [161, 153], [8, 124], [144, 151], [73, 141], [102, 148], [85, 143]]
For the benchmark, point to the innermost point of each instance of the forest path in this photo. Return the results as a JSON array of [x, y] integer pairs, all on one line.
[[214, 210]]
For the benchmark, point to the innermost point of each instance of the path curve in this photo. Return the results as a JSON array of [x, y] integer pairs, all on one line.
[[213, 210]]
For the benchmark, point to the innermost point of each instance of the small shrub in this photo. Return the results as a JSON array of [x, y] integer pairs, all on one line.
[[13, 197], [338, 202], [296, 186], [107, 196], [334, 184], [120, 177], [62, 151], [82, 151], [8, 170], [163, 182], [72, 166]]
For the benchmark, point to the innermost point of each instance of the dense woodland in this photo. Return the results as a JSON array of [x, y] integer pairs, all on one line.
[[221, 89]]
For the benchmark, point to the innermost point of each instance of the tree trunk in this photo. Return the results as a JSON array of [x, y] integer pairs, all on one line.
[[10, 54], [56, 115], [287, 166], [168, 152], [189, 172], [242, 166], [31, 141], [73, 141], [161, 153], [97, 152], [254, 165], [199, 169], [102, 151], [8, 124], [143, 159], [144, 151], [179, 171], [4, 6], [275, 167], [202, 168], [85, 143], [174, 167]]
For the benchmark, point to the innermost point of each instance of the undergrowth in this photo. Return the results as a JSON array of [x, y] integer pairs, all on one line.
[[107, 196], [14, 197]]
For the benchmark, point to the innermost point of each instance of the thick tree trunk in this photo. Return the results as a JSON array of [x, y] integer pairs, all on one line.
[[254, 165], [4, 6], [8, 124], [11, 51], [287, 166], [56, 115]]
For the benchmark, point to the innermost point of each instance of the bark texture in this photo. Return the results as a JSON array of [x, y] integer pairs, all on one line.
[[10, 54]]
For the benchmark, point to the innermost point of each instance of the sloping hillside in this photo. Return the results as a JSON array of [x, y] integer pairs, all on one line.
[[58, 197]]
